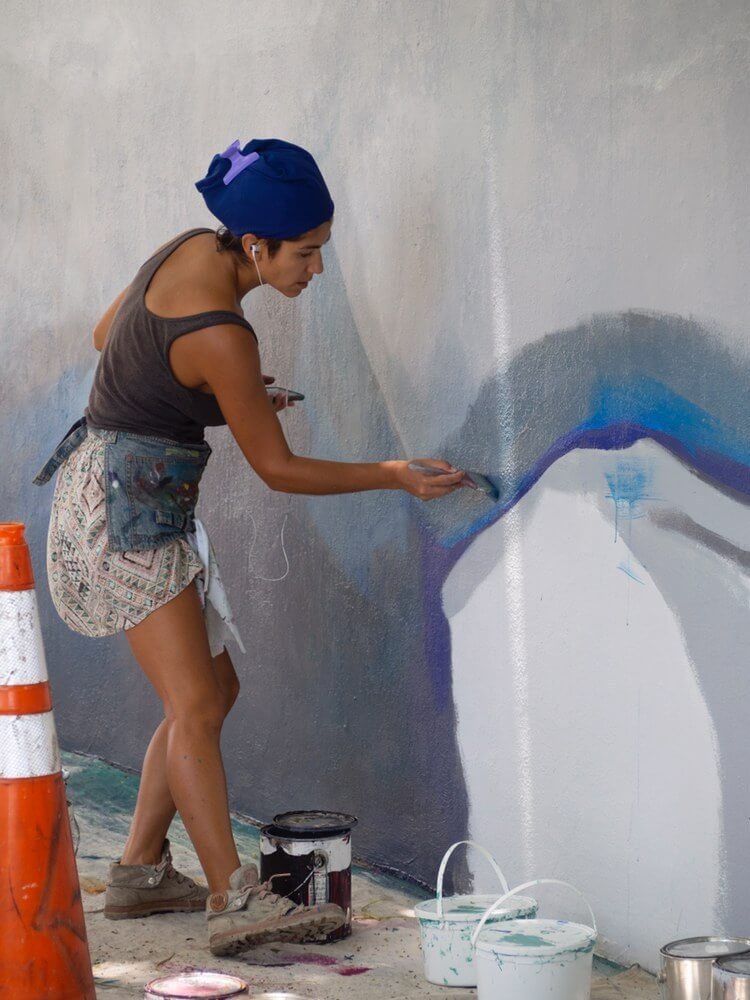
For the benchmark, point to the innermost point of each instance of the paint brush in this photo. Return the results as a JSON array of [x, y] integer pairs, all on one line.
[[474, 480]]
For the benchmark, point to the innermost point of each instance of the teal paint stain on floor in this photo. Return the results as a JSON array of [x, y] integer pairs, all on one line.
[[107, 795]]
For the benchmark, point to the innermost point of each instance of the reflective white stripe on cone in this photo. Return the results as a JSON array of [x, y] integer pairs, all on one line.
[[22, 659], [28, 746]]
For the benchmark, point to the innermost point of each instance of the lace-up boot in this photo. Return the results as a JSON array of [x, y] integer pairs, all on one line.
[[249, 913], [140, 890]]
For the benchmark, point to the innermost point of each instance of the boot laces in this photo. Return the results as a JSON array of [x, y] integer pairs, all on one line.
[[265, 890], [171, 872]]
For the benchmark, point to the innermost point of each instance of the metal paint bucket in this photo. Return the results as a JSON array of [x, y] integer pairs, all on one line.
[[731, 978], [311, 855], [534, 959], [195, 985], [446, 926], [687, 965]]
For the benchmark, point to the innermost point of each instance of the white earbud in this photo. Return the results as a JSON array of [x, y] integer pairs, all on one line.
[[254, 249]]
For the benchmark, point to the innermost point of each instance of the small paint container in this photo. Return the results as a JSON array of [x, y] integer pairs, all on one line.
[[731, 978], [534, 959], [197, 986], [310, 852], [446, 925], [687, 965]]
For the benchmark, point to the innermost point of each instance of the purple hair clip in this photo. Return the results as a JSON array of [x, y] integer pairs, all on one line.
[[239, 161]]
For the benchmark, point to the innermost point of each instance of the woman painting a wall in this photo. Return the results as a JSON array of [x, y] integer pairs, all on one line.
[[125, 550]]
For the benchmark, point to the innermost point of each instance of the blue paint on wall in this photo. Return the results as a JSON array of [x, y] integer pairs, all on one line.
[[622, 414]]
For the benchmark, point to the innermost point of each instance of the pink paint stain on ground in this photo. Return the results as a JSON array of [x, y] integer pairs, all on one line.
[[313, 958], [327, 961]]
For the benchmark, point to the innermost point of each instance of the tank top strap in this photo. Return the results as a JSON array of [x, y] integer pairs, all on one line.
[[162, 253], [176, 326], [172, 327]]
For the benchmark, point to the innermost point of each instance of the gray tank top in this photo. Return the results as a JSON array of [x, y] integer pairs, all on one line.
[[134, 388]]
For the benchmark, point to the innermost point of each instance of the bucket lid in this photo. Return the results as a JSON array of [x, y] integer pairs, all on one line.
[[535, 938], [310, 822], [191, 985], [470, 909], [738, 965], [705, 947]]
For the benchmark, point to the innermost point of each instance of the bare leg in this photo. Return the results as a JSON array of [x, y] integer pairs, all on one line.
[[171, 646], [155, 808]]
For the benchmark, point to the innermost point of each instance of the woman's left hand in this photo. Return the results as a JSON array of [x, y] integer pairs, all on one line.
[[278, 399]]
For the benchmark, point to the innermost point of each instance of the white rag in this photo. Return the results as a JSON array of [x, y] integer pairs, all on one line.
[[217, 611]]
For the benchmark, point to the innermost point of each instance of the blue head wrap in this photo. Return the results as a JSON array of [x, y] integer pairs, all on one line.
[[271, 188]]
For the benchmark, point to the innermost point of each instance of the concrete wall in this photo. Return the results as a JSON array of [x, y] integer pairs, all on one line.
[[538, 269]]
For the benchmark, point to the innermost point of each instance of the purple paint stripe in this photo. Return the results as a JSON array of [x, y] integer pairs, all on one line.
[[439, 557], [715, 466]]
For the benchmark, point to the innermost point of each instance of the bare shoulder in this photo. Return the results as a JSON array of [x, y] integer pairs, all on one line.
[[191, 280], [197, 297], [214, 355], [173, 238]]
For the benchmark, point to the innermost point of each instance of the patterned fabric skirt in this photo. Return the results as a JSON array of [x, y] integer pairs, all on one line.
[[98, 592]]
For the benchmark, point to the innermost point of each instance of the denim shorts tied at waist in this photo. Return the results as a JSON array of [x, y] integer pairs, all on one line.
[[150, 484]]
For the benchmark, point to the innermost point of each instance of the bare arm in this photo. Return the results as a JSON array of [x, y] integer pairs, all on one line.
[[229, 362], [102, 327]]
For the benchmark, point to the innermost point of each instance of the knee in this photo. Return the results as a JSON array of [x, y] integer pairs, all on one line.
[[205, 714]]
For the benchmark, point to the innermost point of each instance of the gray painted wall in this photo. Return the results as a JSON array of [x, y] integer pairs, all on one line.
[[537, 268]]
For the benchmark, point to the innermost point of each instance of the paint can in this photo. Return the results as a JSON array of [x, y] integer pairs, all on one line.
[[446, 925], [534, 959], [312, 852], [687, 965], [194, 985], [731, 978]]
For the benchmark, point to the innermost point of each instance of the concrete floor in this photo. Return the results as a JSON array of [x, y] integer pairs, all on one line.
[[380, 960]]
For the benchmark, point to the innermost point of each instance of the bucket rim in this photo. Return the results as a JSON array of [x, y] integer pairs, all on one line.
[[232, 985], [667, 950], [494, 939], [309, 823], [426, 909], [725, 962]]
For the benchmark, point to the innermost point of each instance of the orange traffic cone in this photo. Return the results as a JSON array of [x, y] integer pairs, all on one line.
[[44, 954]]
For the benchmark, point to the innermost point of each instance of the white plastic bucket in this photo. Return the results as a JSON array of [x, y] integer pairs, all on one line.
[[534, 959], [446, 926]]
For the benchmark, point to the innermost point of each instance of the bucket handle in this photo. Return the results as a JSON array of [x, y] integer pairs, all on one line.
[[444, 862], [521, 888]]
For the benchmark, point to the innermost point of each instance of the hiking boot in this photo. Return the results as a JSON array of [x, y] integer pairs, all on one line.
[[140, 890], [249, 913]]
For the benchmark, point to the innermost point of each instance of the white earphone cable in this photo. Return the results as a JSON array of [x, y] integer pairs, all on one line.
[[271, 579]]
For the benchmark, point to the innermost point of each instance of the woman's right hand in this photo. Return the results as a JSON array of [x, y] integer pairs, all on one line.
[[425, 486]]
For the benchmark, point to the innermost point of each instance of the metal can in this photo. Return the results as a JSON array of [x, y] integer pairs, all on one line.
[[309, 856], [687, 965], [731, 978]]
